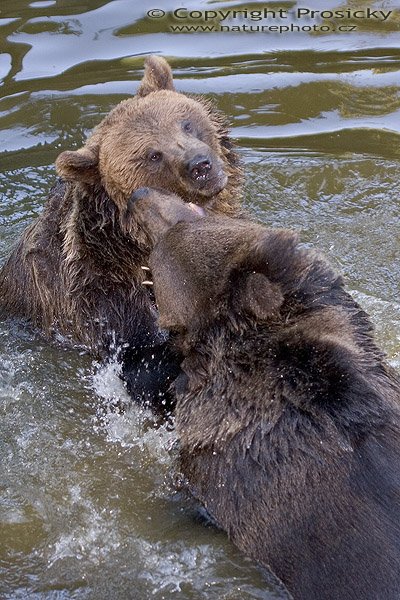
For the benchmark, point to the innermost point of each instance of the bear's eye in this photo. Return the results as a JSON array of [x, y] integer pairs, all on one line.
[[155, 156], [187, 127]]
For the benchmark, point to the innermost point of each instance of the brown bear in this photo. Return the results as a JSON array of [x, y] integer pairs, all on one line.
[[77, 269], [287, 415]]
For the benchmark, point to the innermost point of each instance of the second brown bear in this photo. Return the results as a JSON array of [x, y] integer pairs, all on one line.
[[287, 415]]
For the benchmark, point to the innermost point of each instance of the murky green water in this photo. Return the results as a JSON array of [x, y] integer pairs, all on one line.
[[87, 502]]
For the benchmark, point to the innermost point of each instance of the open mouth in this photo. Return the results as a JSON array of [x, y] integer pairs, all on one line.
[[202, 174], [209, 186]]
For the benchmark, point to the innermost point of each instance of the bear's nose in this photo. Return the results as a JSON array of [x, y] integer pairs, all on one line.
[[199, 167]]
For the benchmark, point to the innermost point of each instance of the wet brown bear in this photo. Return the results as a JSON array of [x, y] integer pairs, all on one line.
[[288, 417], [77, 269]]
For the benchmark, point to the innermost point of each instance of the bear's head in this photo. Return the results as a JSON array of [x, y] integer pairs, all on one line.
[[205, 268], [218, 276], [159, 138]]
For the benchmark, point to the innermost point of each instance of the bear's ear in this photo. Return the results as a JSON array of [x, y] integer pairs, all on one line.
[[268, 263], [157, 76], [79, 165], [260, 297]]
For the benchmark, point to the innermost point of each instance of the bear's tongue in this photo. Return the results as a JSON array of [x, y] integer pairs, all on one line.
[[197, 209]]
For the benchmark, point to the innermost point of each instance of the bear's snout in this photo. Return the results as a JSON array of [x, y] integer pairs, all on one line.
[[204, 173]]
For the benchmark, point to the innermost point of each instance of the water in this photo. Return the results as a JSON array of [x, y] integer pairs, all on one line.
[[88, 502]]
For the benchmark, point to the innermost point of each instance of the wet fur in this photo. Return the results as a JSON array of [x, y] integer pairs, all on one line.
[[77, 269], [287, 415]]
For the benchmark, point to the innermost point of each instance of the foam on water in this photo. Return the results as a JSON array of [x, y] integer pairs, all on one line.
[[386, 319], [125, 422], [92, 539], [108, 385]]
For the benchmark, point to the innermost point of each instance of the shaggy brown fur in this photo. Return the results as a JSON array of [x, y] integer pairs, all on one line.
[[77, 268], [288, 418]]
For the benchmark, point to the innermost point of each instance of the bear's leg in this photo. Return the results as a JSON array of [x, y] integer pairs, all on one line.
[[149, 372]]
